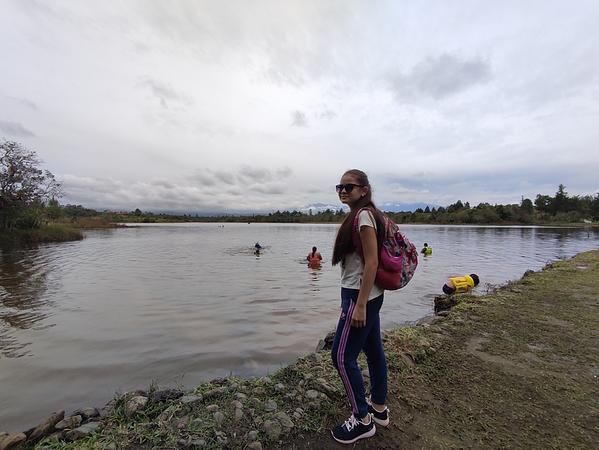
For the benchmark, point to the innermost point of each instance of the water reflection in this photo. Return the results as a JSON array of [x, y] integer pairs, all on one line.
[[23, 283]]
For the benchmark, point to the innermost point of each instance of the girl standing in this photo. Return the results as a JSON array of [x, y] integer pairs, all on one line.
[[361, 300]]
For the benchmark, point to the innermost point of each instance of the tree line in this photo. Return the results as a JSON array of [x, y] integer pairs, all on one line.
[[29, 197]]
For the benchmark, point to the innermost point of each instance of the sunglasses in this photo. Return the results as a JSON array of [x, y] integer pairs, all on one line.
[[348, 187]]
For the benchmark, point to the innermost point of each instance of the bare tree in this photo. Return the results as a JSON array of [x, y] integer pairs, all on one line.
[[24, 187]]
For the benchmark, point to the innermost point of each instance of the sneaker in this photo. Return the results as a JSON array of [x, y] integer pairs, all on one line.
[[381, 418], [353, 430]]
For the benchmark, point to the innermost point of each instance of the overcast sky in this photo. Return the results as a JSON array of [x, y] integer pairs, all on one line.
[[241, 105]]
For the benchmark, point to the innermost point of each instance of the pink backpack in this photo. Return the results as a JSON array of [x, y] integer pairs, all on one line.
[[398, 257]]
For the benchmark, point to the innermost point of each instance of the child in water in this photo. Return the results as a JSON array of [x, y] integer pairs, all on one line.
[[314, 258], [459, 285], [426, 250]]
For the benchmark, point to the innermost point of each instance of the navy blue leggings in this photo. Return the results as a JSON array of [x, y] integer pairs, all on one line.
[[349, 342]]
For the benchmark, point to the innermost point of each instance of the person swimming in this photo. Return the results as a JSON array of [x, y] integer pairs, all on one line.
[[459, 285], [426, 250], [314, 258]]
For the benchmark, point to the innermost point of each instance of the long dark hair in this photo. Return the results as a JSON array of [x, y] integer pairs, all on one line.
[[344, 243]]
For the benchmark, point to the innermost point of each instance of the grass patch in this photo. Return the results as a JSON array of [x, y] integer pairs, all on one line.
[[44, 234]]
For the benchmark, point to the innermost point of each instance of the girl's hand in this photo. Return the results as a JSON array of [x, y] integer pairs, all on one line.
[[358, 317]]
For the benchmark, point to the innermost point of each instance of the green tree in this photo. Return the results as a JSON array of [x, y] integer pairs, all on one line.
[[543, 203], [527, 206], [24, 187]]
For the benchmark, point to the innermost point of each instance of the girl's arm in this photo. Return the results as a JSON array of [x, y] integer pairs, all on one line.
[[371, 263]]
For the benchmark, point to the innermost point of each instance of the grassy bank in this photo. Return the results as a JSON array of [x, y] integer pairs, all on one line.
[[44, 234], [516, 368]]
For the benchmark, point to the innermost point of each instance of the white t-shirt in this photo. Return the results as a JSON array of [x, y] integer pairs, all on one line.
[[352, 270]]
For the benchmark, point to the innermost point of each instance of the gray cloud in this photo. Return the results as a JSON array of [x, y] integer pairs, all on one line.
[[442, 76], [258, 174], [165, 93], [15, 129], [328, 114], [269, 189], [225, 177], [21, 102], [299, 119]]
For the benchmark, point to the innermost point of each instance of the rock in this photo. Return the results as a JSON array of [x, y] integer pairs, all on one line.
[[443, 302], [164, 395], [443, 313], [308, 376], [135, 404], [284, 419], [12, 441], [253, 435], [197, 443], [312, 394], [315, 357], [83, 430], [70, 423], [265, 380], [221, 437], [212, 408], [219, 417], [238, 414], [273, 429], [108, 408], [191, 400], [256, 445], [365, 374], [46, 427], [216, 392], [322, 383], [183, 422], [271, 405], [259, 391], [327, 342], [183, 443], [237, 404], [240, 396], [528, 273], [86, 413], [279, 387]]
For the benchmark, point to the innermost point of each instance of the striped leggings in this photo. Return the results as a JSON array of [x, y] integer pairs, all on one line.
[[349, 342]]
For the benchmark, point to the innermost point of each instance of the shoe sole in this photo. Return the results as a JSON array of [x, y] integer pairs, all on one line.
[[383, 423], [363, 436]]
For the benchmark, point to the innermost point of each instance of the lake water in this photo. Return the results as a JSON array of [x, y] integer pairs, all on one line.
[[182, 303]]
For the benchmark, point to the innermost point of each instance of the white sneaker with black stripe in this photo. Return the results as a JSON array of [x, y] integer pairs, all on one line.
[[382, 417]]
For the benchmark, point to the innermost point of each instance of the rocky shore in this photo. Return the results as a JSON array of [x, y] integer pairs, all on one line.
[[516, 368]]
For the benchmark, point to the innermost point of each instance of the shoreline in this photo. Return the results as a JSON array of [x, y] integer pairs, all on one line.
[[295, 405]]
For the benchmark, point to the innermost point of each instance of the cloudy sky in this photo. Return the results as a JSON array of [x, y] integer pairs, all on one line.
[[238, 105]]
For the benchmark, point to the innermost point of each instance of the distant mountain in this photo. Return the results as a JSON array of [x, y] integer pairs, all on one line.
[[320, 207], [385, 206], [405, 207]]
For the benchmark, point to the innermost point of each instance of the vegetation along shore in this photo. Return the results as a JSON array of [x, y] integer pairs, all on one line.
[[518, 367]]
